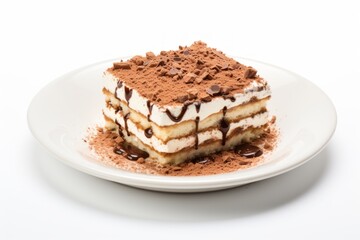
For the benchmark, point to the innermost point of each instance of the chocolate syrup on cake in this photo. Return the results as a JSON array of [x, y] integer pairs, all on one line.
[[197, 119], [128, 94], [180, 116], [120, 128], [197, 106], [126, 117], [224, 127], [148, 132], [118, 85], [149, 106]]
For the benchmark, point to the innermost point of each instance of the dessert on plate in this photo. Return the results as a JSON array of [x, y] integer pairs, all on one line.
[[183, 104]]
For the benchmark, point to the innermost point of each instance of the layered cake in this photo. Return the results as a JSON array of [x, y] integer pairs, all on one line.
[[183, 104]]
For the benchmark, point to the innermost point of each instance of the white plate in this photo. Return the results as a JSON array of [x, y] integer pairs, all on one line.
[[60, 113]]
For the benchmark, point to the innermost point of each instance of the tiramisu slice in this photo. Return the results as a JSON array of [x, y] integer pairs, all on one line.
[[183, 104]]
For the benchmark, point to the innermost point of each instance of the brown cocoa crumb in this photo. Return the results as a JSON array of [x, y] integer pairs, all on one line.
[[153, 64], [236, 65], [192, 93], [229, 74], [200, 62], [176, 65], [150, 55], [172, 72], [162, 72], [227, 90], [140, 160], [140, 68], [138, 60], [197, 71], [198, 80], [204, 97]]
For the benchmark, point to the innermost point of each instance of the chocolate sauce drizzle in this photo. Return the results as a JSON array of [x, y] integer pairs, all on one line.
[[197, 119], [149, 106], [148, 132], [224, 127], [120, 128], [180, 116], [119, 85], [126, 117], [197, 106], [224, 111], [232, 98], [248, 150], [118, 109], [128, 93], [130, 151]]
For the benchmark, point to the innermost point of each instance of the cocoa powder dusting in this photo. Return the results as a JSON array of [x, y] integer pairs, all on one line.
[[174, 72], [103, 142]]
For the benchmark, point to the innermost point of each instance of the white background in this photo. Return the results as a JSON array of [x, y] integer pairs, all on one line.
[[43, 199]]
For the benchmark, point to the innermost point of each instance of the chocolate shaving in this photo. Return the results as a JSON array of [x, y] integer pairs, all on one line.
[[182, 98], [205, 76], [215, 67], [225, 66], [214, 90], [204, 97], [122, 65], [189, 78], [250, 73]]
